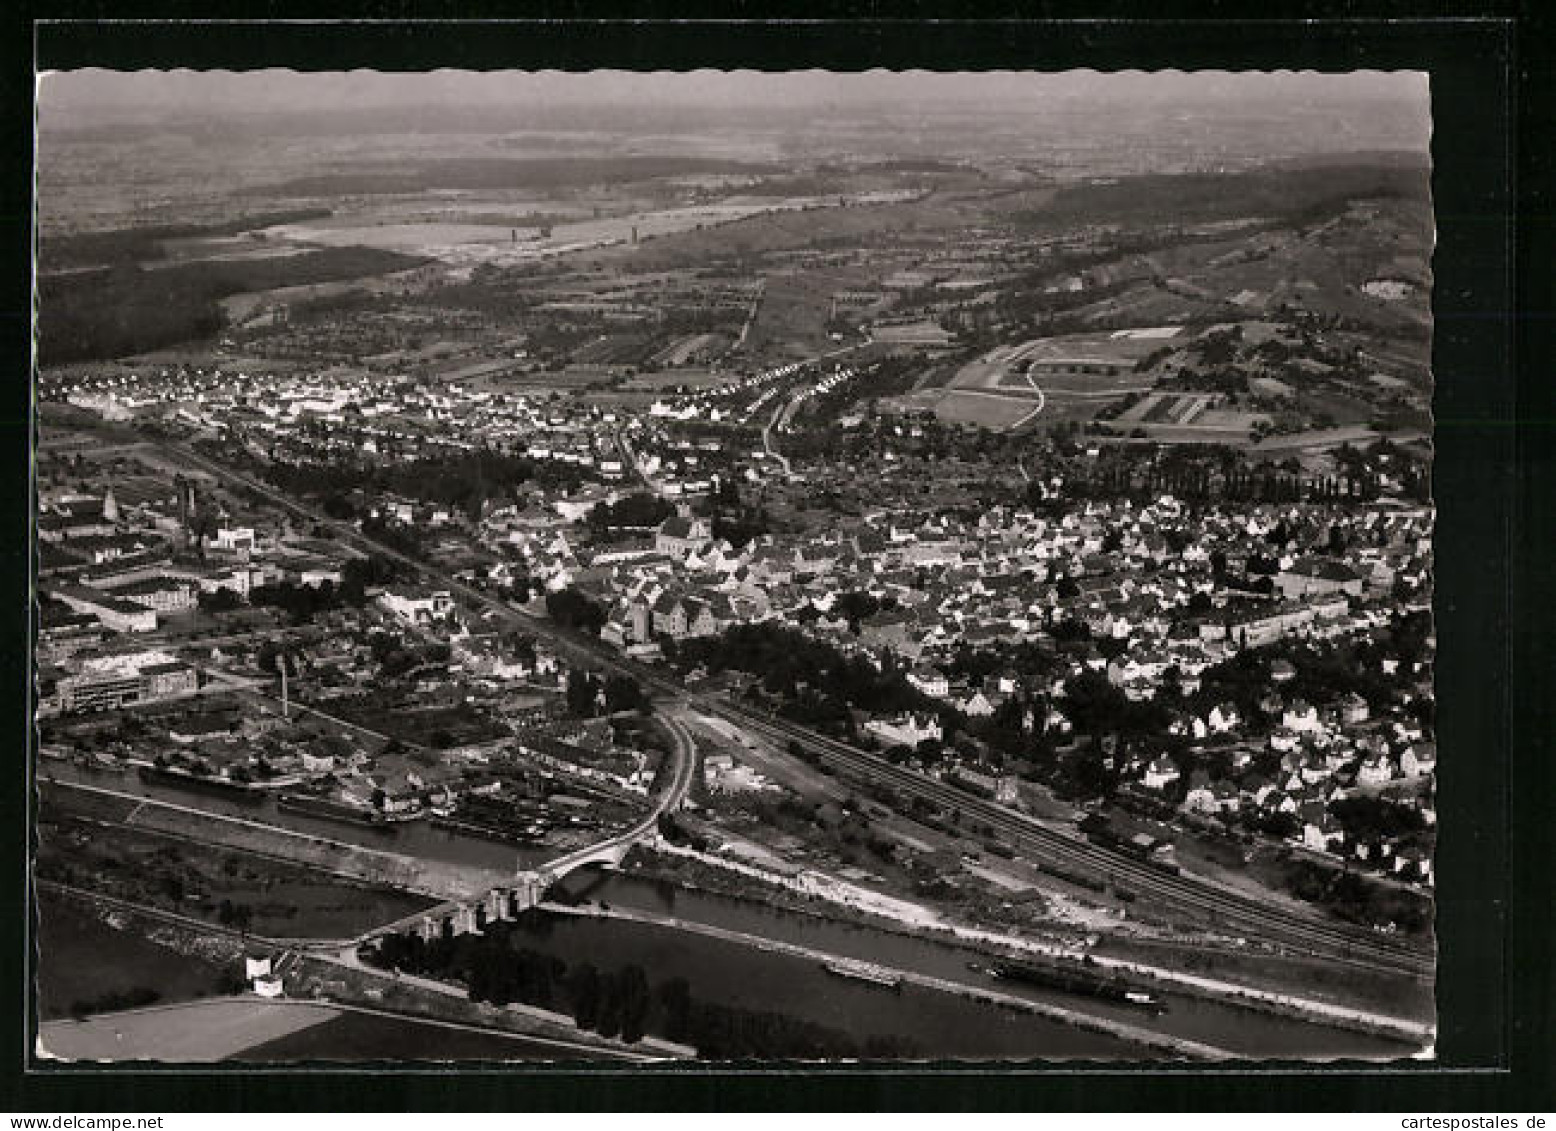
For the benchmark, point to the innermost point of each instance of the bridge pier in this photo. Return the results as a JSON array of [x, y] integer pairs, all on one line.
[[429, 929], [497, 905], [464, 921], [529, 891]]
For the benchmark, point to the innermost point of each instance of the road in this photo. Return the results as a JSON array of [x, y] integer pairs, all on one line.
[[767, 439], [781, 414], [1229, 910], [683, 764], [629, 457]]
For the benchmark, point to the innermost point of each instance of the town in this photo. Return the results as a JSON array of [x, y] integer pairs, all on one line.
[[921, 545]]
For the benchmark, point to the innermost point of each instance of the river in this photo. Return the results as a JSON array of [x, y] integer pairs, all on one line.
[[1242, 1031], [938, 1023]]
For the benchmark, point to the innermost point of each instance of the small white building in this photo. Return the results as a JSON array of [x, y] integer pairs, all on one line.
[[268, 986], [418, 606], [908, 730], [1161, 773]]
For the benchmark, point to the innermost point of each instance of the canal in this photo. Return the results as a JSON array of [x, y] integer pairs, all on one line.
[[420, 839]]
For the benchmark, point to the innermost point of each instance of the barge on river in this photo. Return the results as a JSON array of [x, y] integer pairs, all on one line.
[[1092, 983], [863, 972]]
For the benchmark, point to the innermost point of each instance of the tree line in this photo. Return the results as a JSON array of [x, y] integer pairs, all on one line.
[[621, 1003]]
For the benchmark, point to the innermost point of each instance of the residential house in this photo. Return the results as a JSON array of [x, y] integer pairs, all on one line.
[[1161, 773], [905, 730], [1316, 576], [1419, 759]]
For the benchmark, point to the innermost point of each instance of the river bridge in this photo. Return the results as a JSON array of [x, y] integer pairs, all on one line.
[[529, 886]]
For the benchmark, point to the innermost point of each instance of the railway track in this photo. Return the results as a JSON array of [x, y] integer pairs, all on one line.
[[1228, 910]]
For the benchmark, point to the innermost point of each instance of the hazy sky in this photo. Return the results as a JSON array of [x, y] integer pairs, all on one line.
[[88, 96]]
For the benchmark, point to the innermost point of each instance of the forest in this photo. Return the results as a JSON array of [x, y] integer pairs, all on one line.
[[119, 246], [817, 684], [1296, 195], [128, 309], [464, 481], [505, 172]]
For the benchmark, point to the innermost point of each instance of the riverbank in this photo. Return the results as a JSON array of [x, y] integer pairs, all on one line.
[[1132, 1034], [434, 879], [178, 957], [75, 935], [271, 896], [738, 1002], [452, 1002], [877, 914]]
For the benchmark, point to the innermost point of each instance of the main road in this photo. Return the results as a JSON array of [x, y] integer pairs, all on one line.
[[1232, 911]]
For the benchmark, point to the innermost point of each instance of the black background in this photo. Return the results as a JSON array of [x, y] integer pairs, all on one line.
[[1492, 486]]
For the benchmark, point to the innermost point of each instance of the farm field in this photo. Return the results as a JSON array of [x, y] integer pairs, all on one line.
[[456, 240], [681, 351], [193, 1033], [778, 231], [353, 1035], [691, 378], [968, 406], [791, 316], [566, 381], [1318, 438]]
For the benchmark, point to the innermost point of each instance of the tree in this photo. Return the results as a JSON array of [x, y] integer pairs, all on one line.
[[675, 1000], [583, 988], [221, 600], [623, 693], [338, 506], [583, 691], [572, 609], [633, 1002], [930, 750]]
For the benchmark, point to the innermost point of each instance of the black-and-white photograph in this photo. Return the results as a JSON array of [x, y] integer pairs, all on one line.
[[705, 566]]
